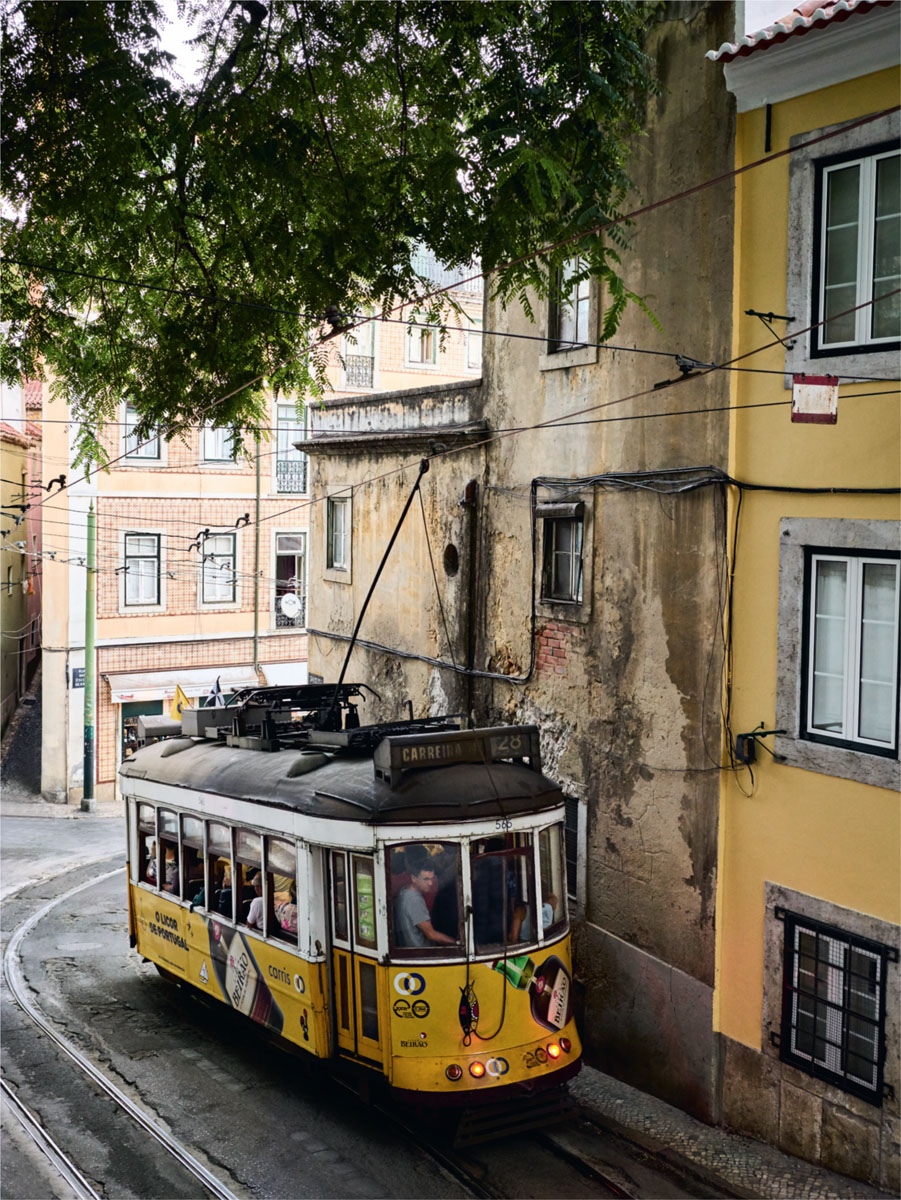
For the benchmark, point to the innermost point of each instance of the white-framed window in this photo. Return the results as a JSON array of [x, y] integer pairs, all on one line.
[[337, 548], [851, 652], [217, 444], [561, 576], [422, 347], [570, 309], [474, 346], [136, 447], [859, 252], [218, 583], [142, 575], [358, 357], [290, 579], [290, 463]]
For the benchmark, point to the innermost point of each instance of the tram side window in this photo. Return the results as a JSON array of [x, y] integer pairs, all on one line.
[[424, 882], [169, 872], [219, 868], [551, 845], [339, 894], [503, 891], [192, 860], [249, 879], [147, 868], [281, 889]]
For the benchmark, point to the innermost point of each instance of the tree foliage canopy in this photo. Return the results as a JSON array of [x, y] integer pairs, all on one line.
[[322, 141]]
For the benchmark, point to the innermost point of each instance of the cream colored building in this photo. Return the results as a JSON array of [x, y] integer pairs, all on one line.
[[198, 546]]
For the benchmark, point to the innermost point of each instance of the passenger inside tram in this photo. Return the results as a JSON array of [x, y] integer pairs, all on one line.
[[413, 925]]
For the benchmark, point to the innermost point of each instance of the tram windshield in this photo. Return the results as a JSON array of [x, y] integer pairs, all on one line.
[[425, 896], [503, 891]]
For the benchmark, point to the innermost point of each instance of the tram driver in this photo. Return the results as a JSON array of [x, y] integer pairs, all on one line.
[[412, 922]]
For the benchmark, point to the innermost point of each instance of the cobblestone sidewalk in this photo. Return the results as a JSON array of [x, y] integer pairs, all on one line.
[[740, 1166]]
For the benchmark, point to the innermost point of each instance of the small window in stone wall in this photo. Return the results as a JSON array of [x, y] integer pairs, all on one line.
[[833, 1005]]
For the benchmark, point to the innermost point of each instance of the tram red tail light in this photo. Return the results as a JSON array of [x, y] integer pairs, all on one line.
[[566, 1045], [477, 1070], [454, 1072], [553, 1050]]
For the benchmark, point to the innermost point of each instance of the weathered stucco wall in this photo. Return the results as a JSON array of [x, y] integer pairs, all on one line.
[[626, 685]]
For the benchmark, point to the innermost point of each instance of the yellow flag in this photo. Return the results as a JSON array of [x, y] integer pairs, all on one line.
[[179, 703]]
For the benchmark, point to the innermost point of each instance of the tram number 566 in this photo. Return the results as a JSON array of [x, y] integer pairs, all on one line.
[[503, 823]]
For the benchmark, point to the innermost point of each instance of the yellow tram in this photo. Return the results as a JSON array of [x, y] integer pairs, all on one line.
[[393, 895]]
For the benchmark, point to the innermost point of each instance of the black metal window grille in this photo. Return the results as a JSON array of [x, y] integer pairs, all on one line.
[[833, 1006]]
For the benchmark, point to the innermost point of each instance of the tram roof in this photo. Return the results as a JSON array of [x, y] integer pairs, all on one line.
[[345, 788]]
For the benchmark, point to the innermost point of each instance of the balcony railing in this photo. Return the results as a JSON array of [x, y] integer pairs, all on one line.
[[291, 475], [358, 370], [296, 622]]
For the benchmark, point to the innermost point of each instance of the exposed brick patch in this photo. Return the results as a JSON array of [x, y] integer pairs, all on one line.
[[553, 648]]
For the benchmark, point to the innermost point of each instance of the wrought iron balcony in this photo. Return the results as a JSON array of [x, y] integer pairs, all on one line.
[[358, 370], [296, 622], [291, 475]]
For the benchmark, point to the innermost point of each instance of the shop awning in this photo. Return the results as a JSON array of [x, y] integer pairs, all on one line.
[[285, 674], [161, 685]]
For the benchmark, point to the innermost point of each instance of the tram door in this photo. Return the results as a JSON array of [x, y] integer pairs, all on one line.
[[354, 955]]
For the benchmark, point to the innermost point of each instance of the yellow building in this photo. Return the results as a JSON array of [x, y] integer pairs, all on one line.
[[807, 978]]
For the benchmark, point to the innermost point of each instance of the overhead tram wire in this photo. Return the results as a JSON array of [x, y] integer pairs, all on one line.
[[573, 238], [598, 228]]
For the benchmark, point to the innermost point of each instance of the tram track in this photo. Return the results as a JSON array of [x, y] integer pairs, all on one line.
[[19, 989], [42, 1141]]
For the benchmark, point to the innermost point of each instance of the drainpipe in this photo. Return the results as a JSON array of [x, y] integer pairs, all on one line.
[[88, 803], [256, 564]]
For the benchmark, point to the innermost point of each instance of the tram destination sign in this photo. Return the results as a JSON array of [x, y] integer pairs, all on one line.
[[397, 754]]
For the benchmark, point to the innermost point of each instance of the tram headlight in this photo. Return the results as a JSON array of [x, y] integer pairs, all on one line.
[[566, 1045], [477, 1070], [454, 1072], [553, 1050]]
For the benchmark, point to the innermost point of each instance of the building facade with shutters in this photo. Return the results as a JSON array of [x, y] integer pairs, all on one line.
[[808, 996]]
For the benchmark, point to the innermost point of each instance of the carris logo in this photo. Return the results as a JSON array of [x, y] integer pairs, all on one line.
[[497, 1066], [409, 983]]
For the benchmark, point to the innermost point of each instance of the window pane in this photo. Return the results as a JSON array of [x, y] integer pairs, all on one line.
[[247, 847], [218, 837], [281, 856], [364, 901], [840, 328], [843, 195], [553, 884], [888, 186], [503, 892], [192, 830], [841, 256], [887, 314], [339, 893], [290, 543], [829, 633], [424, 881]]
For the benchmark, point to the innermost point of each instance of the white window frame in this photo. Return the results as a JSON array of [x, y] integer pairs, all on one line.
[[357, 344], [131, 607], [879, 361], [300, 589], [151, 452], [472, 351], [569, 310], [207, 567], [284, 432], [417, 338], [865, 281], [852, 668], [340, 560], [798, 535], [214, 445]]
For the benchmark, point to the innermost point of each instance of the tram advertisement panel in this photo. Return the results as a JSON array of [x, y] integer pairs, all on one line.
[[514, 1013], [266, 983]]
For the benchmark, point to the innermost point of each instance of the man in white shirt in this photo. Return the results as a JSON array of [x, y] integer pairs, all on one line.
[[255, 915]]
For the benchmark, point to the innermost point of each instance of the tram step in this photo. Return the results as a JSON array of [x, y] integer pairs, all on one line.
[[491, 1121]]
